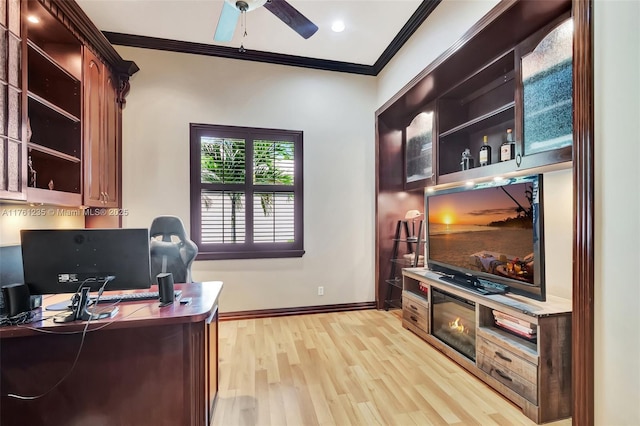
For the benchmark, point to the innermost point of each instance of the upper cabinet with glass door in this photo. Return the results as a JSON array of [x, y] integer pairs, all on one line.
[[520, 101], [545, 72], [418, 149]]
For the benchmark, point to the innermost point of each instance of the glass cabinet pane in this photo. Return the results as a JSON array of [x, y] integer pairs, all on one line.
[[3, 109], [14, 16], [547, 92], [3, 55], [3, 13], [418, 149], [15, 112], [14, 61]]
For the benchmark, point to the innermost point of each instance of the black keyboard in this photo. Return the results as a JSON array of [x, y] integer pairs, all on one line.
[[128, 297]]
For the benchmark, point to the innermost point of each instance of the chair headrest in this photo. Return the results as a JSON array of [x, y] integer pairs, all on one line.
[[166, 226]]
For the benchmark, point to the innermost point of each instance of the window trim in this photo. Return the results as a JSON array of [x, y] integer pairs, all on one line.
[[246, 250]]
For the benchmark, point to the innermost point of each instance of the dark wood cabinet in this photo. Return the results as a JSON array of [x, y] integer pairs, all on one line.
[[54, 108], [495, 78], [73, 97], [101, 135], [111, 165]]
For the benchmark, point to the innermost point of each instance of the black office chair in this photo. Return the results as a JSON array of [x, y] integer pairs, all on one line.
[[171, 250]]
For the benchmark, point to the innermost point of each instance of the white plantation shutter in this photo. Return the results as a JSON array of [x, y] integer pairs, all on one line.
[[218, 215], [280, 155], [278, 226], [230, 156], [246, 192]]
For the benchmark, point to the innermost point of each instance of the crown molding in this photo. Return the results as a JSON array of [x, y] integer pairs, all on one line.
[[419, 16]]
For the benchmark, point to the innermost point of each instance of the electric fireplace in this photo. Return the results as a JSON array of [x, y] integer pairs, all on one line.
[[454, 322]]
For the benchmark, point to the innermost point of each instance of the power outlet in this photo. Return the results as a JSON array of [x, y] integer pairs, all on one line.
[[320, 291]]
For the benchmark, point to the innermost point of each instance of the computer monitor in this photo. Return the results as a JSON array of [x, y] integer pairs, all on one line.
[[64, 260]]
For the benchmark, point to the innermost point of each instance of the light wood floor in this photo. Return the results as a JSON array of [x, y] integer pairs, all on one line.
[[348, 368]]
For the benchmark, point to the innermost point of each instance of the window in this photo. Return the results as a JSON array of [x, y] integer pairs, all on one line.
[[246, 192]]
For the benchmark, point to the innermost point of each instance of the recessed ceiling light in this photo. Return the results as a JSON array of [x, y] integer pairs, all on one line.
[[337, 26], [33, 19]]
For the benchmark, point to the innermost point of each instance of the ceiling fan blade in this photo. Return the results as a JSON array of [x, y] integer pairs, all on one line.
[[227, 23], [290, 16]]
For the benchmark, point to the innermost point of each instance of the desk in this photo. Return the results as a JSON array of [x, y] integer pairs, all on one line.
[[145, 366]]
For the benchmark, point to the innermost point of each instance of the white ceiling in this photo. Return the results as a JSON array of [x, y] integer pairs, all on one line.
[[370, 25]]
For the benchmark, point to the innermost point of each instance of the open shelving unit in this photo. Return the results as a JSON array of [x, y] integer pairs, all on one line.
[[54, 149]]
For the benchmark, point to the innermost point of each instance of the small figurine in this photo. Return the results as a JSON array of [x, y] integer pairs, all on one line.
[[50, 185], [467, 160], [32, 173]]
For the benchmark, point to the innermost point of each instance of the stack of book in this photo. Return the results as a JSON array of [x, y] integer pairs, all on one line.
[[423, 287], [515, 325]]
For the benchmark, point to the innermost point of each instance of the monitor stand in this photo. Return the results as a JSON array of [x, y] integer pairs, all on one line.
[[61, 306], [80, 311]]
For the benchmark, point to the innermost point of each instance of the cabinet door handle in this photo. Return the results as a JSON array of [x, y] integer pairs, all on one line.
[[414, 319], [499, 355], [504, 376], [413, 307]]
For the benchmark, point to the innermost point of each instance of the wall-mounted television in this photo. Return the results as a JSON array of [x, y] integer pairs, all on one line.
[[490, 232]]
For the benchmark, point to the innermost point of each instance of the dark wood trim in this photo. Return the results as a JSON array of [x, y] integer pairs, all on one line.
[[76, 16], [472, 32], [418, 17], [583, 242], [233, 53], [301, 310]]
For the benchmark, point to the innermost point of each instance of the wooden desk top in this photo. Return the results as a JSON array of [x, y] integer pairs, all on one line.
[[131, 313]]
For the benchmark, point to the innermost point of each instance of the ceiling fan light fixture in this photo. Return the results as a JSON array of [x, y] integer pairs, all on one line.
[[337, 26], [246, 5]]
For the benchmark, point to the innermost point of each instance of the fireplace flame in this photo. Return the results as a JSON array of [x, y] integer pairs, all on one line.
[[457, 326]]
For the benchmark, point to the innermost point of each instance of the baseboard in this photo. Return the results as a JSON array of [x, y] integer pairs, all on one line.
[[302, 310]]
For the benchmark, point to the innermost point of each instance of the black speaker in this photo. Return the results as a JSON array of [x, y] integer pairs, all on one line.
[[165, 288], [17, 299]]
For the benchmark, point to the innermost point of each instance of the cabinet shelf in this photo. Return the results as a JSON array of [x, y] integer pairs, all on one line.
[[52, 168], [53, 107], [518, 343], [52, 84], [47, 62], [60, 198], [52, 152], [496, 116]]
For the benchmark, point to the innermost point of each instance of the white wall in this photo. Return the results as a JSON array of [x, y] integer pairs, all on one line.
[[334, 110], [14, 217], [444, 27], [617, 203]]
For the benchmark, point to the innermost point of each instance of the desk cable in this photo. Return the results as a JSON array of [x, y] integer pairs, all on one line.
[[75, 361]]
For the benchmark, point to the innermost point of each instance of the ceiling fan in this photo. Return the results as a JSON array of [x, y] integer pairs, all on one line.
[[232, 9]]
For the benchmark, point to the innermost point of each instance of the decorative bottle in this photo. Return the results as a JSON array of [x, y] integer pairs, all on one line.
[[508, 147], [485, 152]]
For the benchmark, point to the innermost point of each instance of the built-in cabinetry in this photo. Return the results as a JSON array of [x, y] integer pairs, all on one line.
[[69, 151], [101, 127], [531, 365], [510, 71]]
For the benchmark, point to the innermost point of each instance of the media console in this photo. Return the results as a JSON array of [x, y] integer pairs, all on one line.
[[518, 346]]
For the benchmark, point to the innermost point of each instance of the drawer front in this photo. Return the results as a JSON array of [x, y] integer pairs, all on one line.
[[508, 378], [415, 319], [414, 305], [501, 357]]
